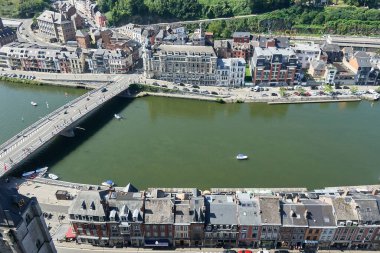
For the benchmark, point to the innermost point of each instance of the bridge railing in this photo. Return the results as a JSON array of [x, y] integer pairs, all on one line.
[[43, 139], [43, 119]]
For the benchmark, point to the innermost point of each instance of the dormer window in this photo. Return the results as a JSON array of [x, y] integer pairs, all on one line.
[[84, 207], [92, 206]]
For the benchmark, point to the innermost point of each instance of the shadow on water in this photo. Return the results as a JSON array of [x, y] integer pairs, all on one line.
[[63, 146]]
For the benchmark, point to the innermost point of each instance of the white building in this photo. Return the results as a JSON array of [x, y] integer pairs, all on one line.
[[181, 63], [307, 53], [230, 72], [56, 26], [330, 74]]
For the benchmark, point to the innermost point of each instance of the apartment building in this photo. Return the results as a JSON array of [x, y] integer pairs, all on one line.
[[89, 217], [360, 63], [159, 219], [230, 72], [249, 220], [294, 225], [274, 67], [22, 225], [306, 53], [56, 26], [222, 224], [270, 221], [126, 217], [181, 63], [182, 217], [108, 61]]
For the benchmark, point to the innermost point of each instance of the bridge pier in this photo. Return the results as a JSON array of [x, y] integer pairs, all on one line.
[[68, 133]]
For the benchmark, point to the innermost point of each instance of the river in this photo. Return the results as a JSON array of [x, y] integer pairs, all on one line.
[[186, 143]]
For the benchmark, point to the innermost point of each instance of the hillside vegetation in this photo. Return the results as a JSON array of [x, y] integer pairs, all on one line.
[[305, 20]]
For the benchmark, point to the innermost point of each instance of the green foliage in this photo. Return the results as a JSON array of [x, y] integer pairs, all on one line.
[[29, 8], [282, 91], [220, 101], [354, 89]]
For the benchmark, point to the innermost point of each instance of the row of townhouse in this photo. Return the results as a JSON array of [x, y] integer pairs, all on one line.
[[196, 65], [31, 57], [235, 218]]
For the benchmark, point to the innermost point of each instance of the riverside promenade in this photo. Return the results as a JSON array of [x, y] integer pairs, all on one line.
[[60, 122]]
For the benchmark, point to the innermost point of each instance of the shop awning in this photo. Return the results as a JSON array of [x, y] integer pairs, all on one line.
[[70, 234], [156, 243]]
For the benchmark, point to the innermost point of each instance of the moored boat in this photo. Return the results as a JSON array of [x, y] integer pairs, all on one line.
[[33, 103], [53, 176], [108, 183], [241, 157], [28, 174], [117, 116]]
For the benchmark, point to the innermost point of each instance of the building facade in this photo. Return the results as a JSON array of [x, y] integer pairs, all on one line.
[[188, 64], [56, 26], [230, 72], [274, 67]]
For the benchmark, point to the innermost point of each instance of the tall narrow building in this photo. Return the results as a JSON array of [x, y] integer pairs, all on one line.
[[22, 225]]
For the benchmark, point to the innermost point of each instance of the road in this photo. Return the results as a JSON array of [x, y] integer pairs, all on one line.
[[16, 149]]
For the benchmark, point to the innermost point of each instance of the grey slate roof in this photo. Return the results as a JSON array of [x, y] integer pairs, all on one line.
[[368, 210], [293, 215], [319, 214], [88, 203], [270, 210], [222, 210], [248, 210], [130, 188], [12, 205], [189, 211], [318, 65], [241, 35]]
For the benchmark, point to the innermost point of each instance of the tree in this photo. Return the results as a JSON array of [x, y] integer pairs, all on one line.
[[282, 91], [354, 90], [327, 88]]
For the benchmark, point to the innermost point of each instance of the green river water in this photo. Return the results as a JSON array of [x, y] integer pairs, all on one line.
[[186, 143]]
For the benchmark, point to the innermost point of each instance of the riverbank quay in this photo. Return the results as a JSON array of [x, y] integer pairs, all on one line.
[[305, 100]]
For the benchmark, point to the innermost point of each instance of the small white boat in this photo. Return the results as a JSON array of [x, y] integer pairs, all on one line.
[[52, 176], [108, 183], [40, 172], [241, 157], [28, 174], [33, 103], [117, 116], [376, 97]]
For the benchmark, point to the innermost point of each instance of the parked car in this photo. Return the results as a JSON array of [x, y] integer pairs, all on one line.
[[346, 87], [164, 86], [214, 93], [175, 87], [195, 90], [181, 84], [274, 94], [104, 89], [245, 251], [186, 89], [156, 84], [196, 86], [229, 251]]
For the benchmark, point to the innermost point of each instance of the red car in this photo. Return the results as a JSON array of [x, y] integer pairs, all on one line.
[[245, 251]]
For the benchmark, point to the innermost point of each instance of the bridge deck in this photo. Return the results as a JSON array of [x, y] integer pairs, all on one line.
[[25, 143]]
